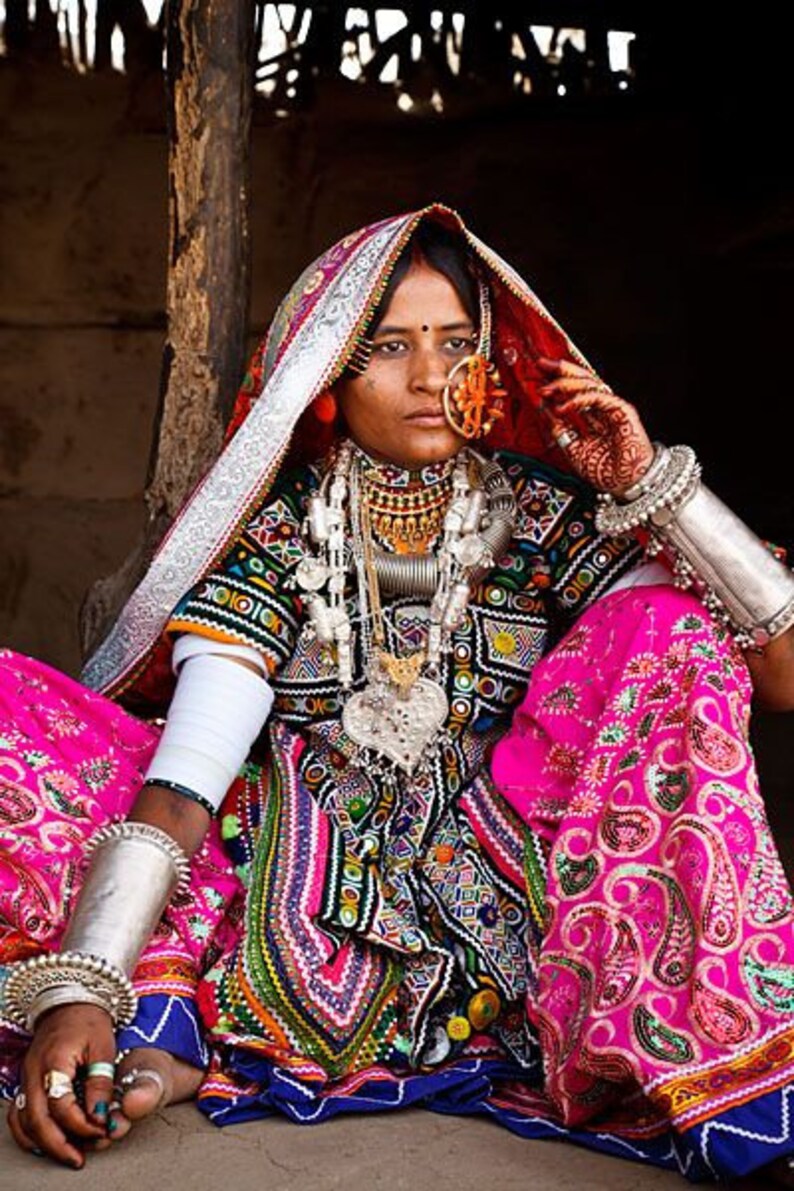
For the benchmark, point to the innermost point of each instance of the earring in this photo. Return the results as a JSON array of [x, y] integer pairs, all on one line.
[[324, 408], [473, 402]]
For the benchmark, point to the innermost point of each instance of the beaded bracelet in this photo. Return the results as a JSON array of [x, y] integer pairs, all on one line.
[[677, 476], [185, 792]]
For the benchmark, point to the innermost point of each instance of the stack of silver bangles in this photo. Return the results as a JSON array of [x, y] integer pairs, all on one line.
[[739, 580], [134, 868]]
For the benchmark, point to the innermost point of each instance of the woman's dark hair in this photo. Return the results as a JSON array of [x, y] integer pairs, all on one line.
[[446, 252]]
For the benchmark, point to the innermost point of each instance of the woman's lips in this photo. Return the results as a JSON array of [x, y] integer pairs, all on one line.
[[432, 416]]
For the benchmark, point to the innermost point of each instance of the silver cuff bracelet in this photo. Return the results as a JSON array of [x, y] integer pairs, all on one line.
[[740, 581], [133, 870]]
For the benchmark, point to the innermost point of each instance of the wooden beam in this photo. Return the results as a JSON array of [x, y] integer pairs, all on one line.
[[210, 71], [210, 82]]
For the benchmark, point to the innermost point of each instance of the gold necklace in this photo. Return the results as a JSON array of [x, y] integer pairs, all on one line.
[[407, 520], [399, 713], [402, 672]]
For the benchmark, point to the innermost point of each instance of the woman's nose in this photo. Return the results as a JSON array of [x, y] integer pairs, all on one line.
[[429, 372]]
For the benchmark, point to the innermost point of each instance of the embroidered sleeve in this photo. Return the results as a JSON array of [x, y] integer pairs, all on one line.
[[556, 524], [248, 597]]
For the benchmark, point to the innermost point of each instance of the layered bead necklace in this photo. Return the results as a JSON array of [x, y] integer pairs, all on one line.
[[399, 713]]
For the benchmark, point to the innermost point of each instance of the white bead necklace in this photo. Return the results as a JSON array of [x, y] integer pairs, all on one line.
[[399, 712]]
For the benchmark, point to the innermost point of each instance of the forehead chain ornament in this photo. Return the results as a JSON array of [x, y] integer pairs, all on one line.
[[361, 355], [473, 393]]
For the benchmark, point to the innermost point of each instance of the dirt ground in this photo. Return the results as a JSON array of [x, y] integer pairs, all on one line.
[[406, 1151]]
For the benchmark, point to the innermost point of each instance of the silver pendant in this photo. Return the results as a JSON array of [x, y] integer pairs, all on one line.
[[311, 573], [399, 727], [470, 550]]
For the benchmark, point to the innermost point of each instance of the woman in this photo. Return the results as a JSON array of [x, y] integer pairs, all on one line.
[[371, 922]]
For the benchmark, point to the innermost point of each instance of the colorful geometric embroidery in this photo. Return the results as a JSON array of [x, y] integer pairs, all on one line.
[[228, 608], [539, 507], [275, 531], [512, 644]]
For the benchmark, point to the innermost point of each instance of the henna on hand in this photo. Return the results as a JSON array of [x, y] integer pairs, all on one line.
[[606, 441]]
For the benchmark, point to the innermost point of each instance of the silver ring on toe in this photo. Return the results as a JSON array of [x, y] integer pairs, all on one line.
[[135, 1074]]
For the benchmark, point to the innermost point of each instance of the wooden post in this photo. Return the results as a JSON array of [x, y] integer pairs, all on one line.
[[210, 69]]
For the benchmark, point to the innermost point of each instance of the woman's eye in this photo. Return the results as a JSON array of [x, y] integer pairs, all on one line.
[[390, 347], [460, 343]]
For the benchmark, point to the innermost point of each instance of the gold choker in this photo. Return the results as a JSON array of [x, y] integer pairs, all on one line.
[[407, 520]]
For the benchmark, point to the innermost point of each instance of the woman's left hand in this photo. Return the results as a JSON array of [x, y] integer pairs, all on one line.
[[600, 433]]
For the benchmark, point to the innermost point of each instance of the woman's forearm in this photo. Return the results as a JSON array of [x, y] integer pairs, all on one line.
[[184, 820]]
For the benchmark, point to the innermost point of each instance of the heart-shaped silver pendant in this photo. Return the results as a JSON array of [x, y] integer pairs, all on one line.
[[399, 726]]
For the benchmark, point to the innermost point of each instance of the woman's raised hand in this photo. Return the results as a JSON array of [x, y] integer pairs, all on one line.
[[601, 434], [65, 1040]]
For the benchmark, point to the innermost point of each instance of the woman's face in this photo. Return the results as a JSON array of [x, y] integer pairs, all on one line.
[[394, 410]]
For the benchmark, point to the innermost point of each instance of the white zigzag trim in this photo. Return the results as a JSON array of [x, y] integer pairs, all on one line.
[[565, 1132], [162, 1022], [737, 1131]]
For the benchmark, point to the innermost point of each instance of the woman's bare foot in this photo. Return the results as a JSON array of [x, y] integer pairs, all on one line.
[[148, 1079]]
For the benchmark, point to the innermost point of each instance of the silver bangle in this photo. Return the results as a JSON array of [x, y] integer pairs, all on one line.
[[739, 580], [103, 983], [63, 994], [133, 870], [653, 474], [677, 477]]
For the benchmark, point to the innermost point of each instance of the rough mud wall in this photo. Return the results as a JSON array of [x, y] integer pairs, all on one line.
[[82, 242]]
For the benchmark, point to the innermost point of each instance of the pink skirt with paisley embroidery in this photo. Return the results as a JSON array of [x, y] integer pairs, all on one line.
[[666, 972], [70, 762]]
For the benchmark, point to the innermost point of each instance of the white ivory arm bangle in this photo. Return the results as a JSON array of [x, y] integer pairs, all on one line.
[[217, 712]]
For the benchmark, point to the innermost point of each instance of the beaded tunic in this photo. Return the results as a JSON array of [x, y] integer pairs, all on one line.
[[425, 874]]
